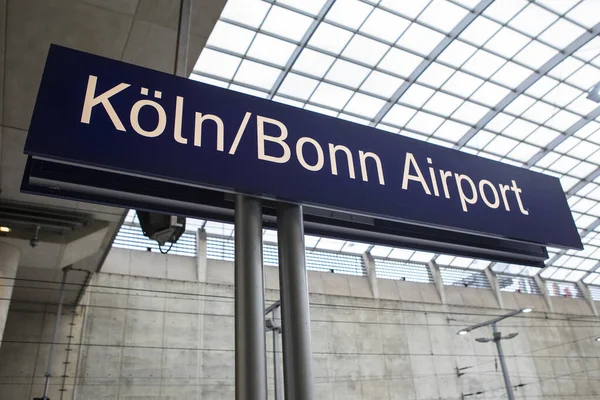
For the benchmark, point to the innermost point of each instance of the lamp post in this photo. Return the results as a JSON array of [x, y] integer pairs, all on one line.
[[497, 338]]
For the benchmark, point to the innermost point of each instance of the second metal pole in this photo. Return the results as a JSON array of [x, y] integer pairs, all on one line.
[[497, 339], [250, 342], [295, 314]]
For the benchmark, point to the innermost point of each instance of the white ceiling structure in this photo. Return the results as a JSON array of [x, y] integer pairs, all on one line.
[[507, 80]]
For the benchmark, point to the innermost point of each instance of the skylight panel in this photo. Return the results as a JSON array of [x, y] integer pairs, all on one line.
[[416, 95], [582, 105], [547, 160], [355, 247], [520, 104], [271, 50], [547, 272], [586, 13], [511, 74], [499, 122], [385, 25], [381, 84], [230, 37], [218, 64], [562, 33], [457, 53], [246, 90], [462, 84], [504, 10], [444, 259], [583, 205], [435, 75], [532, 20], [310, 6], [461, 262], [442, 15], [523, 152], [298, 86], [420, 39], [209, 81], [563, 164], [565, 68], [585, 78], [561, 6], [321, 110], [585, 131], [567, 144], [347, 73], [330, 38], [332, 96], [398, 115], [400, 62], [313, 63], [380, 251], [350, 13], [590, 50], [540, 112], [582, 170], [286, 23], [255, 74], [451, 131], [490, 94], [470, 112], [289, 102], [410, 9], [593, 279], [586, 265], [501, 145], [364, 105], [365, 50], [562, 95], [356, 120], [507, 42], [330, 244], [424, 122], [484, 64], [480, 31], [562, 120], [481, 139], [421, 256], [401, 254], [519, 129], [443, 104], [535, 54], [543, 85], [594, 137], [248, 12]]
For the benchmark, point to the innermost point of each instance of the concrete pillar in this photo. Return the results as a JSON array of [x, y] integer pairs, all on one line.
[[9, 261], [437, 279], [542, 285], [495, 286], [588, 297], [201, 255], [371, 274]]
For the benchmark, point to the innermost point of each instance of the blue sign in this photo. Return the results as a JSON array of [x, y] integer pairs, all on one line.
[[110, 115]]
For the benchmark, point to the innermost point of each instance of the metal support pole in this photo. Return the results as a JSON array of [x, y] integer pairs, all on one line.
[[183, 38], [276, 350], [297, 352], [497, 339], [250, 343], [55, 332]]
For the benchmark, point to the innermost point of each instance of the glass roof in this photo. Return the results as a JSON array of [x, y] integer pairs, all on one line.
[[506, 80]]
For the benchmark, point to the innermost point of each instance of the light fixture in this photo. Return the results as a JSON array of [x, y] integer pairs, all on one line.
[[463, 332], [527, 310], [598, 339], [4, 229]]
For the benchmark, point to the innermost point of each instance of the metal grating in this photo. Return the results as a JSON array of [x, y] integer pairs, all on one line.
[[224, 249], [402, 271], [464, 278], [518, 284], [131, 237], [595, 292], [563, 289]]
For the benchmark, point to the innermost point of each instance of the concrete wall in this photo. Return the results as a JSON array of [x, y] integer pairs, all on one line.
[[150, 329]]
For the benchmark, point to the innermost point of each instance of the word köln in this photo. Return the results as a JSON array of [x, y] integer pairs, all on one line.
[[436, 183]]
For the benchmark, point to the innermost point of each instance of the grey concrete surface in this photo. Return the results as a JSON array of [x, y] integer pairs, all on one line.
[[149, 329]]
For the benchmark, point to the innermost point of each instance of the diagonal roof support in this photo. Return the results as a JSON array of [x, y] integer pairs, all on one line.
[[462, 25], [309, 33], [533, 78]]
